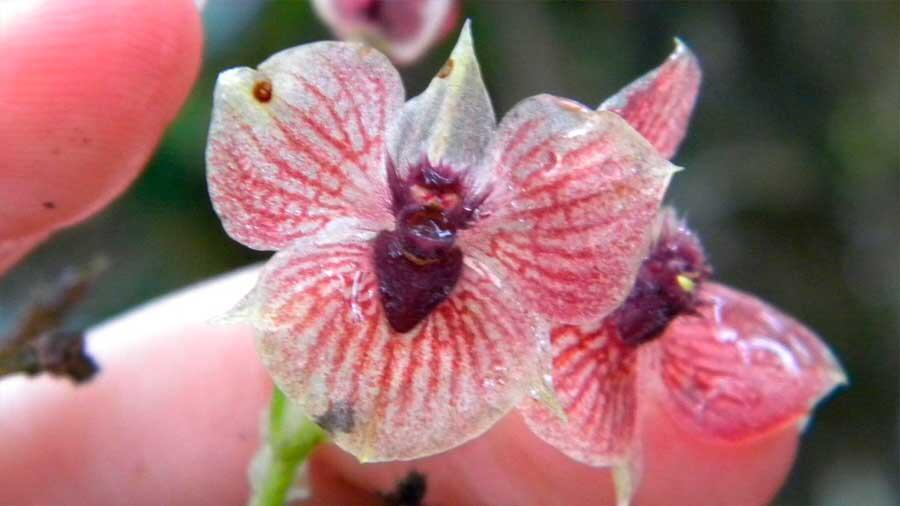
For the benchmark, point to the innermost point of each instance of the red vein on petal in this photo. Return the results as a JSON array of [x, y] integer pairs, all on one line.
[[518, 138], [325, 101], [338, 145]]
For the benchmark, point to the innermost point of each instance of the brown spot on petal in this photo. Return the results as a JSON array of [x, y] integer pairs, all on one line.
[[262, 91], [446, 69]]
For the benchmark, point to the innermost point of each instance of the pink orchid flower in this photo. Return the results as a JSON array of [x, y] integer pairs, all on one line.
[[403, 29], [722, 363], [420, 246]]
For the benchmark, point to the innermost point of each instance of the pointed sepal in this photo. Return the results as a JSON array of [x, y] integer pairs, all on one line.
[[659, 104], [448, 126]]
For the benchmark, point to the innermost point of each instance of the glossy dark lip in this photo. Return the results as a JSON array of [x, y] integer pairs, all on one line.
[[418, 263], [410, 286]]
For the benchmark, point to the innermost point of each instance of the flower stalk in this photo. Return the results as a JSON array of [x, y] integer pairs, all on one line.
[[289, 437]]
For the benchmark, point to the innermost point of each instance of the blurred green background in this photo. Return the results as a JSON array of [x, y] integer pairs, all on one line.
[[792, 178]]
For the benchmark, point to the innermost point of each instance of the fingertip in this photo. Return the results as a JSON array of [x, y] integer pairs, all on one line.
[[509, 465], [172, 417], [87, 87], [173, 421], [682, 467]]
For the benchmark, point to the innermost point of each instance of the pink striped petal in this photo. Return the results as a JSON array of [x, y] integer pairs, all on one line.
[[659, 104], [595, 378], [299, 143], [386, 395], [571, 197], [404, 29], [448, 126], [742, 368]]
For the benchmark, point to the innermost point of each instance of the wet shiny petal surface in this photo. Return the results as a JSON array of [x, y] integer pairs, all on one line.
[[742, 368]]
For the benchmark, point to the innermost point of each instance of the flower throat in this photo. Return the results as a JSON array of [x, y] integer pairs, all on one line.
[[418, 263], [666, 285]]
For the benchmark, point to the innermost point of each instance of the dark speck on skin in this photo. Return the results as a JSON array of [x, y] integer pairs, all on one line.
[[49, 205], [410, 491], [338, 418]]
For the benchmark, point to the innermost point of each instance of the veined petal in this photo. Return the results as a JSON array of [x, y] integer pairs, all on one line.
[[385, 395], [741, 368], [571, 195], [403, 29], [451, 122], [659, 104], [300, 143], [595, 378]]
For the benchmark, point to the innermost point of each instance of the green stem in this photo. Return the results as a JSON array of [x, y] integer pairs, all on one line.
[[291, 437]]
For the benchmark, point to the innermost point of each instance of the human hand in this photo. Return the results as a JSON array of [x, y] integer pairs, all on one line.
[[173, 419]]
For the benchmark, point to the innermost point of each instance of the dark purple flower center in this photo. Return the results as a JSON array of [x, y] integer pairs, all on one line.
[[418, 263], [666, 286]]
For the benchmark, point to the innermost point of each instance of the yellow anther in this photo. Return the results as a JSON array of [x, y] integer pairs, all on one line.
[[687, 284]]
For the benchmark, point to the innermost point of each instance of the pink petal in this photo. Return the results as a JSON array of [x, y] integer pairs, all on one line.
[[449, 125], [595, 378], [742, 368], [659, 104], [386, 395], [571, 197], [299, 143], [404, 29]]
